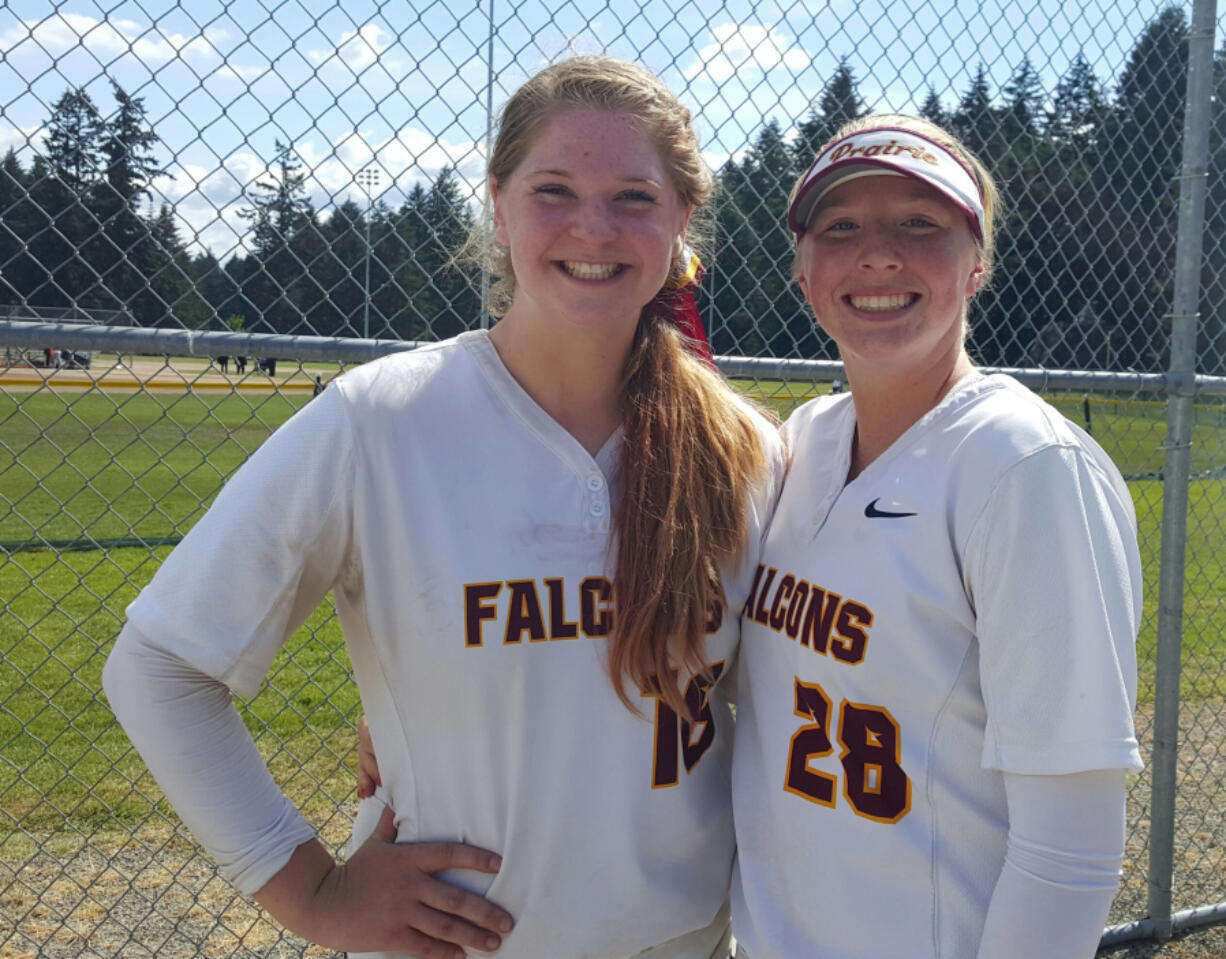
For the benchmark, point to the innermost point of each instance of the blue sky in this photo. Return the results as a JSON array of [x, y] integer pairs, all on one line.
[[403, 85]]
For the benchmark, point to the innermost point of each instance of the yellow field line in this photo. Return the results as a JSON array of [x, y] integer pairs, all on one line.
[[112, 383]]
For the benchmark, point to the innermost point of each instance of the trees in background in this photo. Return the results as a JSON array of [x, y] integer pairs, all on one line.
[[124, 251], [71, 228], [307, 274], [1084, 263], [278, 282], [63, 224]]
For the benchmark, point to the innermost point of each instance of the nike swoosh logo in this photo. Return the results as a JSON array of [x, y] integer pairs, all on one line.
[[872, 512]]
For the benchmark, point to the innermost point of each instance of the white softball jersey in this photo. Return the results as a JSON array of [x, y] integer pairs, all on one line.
[[965, 607], [464, 535]]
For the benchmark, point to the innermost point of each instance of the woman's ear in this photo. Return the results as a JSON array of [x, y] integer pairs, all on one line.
[[798, 266], [975, 281], [500, 227], [679, 243]]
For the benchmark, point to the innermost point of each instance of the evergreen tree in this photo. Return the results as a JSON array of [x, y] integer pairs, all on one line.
[[42, 244], [974, 121], [16, 267], [285, 246], [839, 102], [932, 110], [756, 301], [1141, 157], [235, 288], [74, 141], [62, 195], [124, 253], [1078, 106], [1020, 162], [449, 221], [341, 274], [1023, 103], [280, 207], [416, 301], [1048, 252], [729, 327], [1150, 106], [434, 297], [171, 282], [216, 287], [386, 252]]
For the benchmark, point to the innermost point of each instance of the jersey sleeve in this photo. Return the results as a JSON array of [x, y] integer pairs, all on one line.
[[776, 449], [1053, 572], [276, 539]]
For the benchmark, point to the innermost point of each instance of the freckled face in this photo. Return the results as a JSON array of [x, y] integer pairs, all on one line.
[[887, 263], [591, 219]]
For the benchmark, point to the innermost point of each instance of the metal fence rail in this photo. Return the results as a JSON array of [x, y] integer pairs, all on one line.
[[33, 336], [207, 211]]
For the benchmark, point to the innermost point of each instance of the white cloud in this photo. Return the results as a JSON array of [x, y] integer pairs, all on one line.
[[739, 47], [358, 48], [208, 201], [22, 139], [106, 39]]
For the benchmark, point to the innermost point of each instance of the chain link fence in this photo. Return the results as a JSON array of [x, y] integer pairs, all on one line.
[[207, 210]]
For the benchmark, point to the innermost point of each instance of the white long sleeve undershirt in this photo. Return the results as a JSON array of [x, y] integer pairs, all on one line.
[[1062, 865], [185, 726]]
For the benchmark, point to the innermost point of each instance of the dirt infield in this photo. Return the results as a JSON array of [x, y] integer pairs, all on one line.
[[176, 374], [138, 895]]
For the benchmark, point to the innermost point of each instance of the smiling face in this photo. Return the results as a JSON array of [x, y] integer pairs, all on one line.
[[887, 264], [592, 221]]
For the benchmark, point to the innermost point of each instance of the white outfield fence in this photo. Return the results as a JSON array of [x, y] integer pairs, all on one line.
[[284, 186]]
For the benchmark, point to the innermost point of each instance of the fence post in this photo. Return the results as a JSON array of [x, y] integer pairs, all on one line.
[[1177, 467]]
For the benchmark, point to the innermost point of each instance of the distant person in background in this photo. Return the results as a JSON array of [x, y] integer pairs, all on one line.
[[224, 363], [240, 364], [319, 386], [934, 712], [539, 539]]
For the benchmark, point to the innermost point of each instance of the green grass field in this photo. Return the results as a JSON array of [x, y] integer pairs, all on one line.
[[82, 469]]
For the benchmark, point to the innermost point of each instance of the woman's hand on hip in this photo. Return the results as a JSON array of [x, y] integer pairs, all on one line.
[[387, 898]]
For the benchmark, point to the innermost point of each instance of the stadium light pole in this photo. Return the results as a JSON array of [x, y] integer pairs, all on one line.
[[368, 179]]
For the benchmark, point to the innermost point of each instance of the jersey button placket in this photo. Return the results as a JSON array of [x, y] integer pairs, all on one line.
[[597, 503]]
